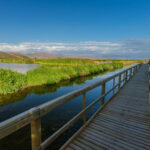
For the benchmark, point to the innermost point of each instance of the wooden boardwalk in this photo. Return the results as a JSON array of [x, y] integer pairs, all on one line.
[[124, 123]]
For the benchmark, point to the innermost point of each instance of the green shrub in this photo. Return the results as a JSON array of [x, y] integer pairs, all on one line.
[[11, 81]]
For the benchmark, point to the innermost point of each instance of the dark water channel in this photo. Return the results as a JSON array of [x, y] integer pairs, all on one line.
[[14, 104]]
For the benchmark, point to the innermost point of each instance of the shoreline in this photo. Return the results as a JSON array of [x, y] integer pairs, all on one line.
[[12, 82], [70, 79]]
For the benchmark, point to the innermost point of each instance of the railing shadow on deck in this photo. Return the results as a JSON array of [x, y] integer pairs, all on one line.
[[33, 116]]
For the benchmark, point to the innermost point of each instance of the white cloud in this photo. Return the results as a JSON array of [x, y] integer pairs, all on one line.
[[123, 49]]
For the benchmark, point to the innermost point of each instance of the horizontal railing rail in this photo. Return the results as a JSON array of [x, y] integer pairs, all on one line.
[[33, 115], [148, 70], [149, 75]]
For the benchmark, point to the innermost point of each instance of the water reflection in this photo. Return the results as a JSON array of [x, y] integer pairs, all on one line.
[[39, 90]]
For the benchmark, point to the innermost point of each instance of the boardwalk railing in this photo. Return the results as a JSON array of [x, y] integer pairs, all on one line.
[[33, 116], [149, 80], [149, 75]]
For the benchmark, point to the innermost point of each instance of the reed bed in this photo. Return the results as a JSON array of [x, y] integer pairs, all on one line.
[[11, 81]]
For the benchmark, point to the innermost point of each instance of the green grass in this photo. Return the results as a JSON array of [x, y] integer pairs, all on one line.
[[81, 61], [11, 81], [50, 62], [51, 75], [66, 61], [149, 61], [17, 60]]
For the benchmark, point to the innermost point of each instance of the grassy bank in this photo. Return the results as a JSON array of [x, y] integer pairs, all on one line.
[[17, 60], [66, 61], [11, 81], [81, 61], [149, 61]]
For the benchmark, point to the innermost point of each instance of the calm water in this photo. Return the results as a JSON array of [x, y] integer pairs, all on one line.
[[22, 68], [14, 104]]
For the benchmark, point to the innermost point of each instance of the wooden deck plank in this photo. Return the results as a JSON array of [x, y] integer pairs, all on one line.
[[124, 123], [129, 117], [82, 145], [116, 142], [123, 127], [68, 148], [118, 134], [97, 142], [108, 139], [122, 130], [89, 144], [75, 147]]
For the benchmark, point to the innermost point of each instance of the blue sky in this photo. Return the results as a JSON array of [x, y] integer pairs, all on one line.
[[62, 26]]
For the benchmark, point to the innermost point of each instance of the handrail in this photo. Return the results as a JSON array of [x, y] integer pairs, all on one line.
[[32, 116], [148, 70], [69, 123], [149, 75]]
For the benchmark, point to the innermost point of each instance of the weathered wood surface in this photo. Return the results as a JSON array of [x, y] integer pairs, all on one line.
[[123, 124]]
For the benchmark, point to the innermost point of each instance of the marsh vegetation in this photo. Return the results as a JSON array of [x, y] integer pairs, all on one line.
[[52, 71]]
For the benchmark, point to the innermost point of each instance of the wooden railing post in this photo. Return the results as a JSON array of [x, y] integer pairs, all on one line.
[[102, 93], [133, 70], [119, 84], [136, 69], [139, 66], [84, 106], [149, 77], [130, 73], [126, 79], [36, 133], [113, 86]]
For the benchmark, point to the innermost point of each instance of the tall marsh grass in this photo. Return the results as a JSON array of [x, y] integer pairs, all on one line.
[[65, 61], [17, 60], [11, 81]]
